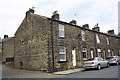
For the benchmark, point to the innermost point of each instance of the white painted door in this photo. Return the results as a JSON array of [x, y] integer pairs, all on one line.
[[74, 57], [91, 53]]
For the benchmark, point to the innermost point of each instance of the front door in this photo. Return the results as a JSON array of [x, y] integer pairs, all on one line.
[[91, 53], [74, 57]]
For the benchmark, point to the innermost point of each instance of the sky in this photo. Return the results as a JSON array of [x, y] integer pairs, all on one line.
[[103, 12], [119, 17]]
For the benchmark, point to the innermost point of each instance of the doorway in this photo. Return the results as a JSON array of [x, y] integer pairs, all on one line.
[[74, 56]]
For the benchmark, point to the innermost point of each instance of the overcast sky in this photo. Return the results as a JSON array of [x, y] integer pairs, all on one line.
[[103, 12]]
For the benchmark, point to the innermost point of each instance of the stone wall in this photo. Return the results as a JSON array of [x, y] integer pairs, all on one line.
[[0, 49], [37, 44], [31, 44], [8, 49], [73, 39]]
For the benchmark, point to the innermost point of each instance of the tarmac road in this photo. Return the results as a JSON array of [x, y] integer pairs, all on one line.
[[111, 72]]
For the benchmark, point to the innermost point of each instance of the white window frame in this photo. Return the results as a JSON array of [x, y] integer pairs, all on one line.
[[83, 35], [84, 50], [99, 52], [61, 30], [97, 38], [109, 52], [107, 41], [62, 53]]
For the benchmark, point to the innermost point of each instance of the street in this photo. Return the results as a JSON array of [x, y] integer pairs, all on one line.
[[111, 72], [17, 73]]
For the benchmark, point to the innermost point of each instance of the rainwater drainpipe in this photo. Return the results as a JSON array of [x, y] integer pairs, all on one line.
[[52, 44], [95, 43]]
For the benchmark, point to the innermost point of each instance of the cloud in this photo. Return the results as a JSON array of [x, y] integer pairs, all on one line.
[[102, 11]]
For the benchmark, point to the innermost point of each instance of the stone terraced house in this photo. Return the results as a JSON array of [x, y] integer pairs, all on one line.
[[0, 49], [48, 44], [7, 49]]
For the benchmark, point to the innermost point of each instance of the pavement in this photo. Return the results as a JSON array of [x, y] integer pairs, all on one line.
[[68, 71], [9, 72]]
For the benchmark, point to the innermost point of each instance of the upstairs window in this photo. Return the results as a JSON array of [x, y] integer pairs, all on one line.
[[97, 38], [83, 35], [107, 41], [61, 30], [62, 53]]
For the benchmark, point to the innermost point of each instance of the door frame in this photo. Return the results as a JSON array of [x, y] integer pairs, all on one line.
[[74, 57]]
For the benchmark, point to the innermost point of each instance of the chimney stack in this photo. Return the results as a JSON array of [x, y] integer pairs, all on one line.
[[55, 15], [74, 22], [111, 32], [119, 34], [86, 26], [96, 28], [30, 11], [5, 36]]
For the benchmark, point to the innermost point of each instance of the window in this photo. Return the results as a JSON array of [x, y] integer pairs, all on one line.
[[91, 59], [10, 59], [107, 41], [62, 53], [97, 39], [99, 59], [84, 53], [61, 31], [83, 35], [99, 52], [109, 52]]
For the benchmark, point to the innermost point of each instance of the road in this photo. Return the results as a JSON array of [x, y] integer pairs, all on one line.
[[111, 72]]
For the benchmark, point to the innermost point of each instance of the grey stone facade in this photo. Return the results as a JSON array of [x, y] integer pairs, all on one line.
[[8, 49], [37, 44], [0, 49]]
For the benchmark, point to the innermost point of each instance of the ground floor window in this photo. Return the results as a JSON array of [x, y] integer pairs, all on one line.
[[10, 59], [62, 53], [109, 52], [99, 52], [84, 53]]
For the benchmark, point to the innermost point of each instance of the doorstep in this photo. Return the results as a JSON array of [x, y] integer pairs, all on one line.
[[68, 71]]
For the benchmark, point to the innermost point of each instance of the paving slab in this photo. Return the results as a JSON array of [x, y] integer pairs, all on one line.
[[68, 71]]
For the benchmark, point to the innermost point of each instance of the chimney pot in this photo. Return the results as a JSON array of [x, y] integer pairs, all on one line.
[[96, 29], [119, 34], [5, 36], [111, 32], [74, 22], [30, 11], [86, 26], [55, 15]]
